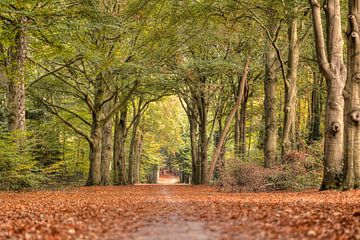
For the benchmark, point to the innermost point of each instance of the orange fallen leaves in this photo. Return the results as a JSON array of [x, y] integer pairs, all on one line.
[[178, 212]]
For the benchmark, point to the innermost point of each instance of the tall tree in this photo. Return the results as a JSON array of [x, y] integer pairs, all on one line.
[[331, 64], [352, 100], [271, 63], [14, 57], [291, 86], [106, 147]]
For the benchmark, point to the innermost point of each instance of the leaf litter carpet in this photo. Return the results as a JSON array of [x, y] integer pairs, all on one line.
[[178, 212]]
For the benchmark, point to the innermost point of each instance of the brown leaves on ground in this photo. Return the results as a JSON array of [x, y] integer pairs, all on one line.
[[178, 212]]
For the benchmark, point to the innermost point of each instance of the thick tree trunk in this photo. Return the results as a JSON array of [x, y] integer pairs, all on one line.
[[270, 134], [203, 138], [15, 97], [352, 100], [119, 147], [94, 177], [291, 89], [194, 150], [334, 70], [106, 148]]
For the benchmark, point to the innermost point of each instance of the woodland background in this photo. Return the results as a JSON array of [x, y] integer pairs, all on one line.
[[229, 92]]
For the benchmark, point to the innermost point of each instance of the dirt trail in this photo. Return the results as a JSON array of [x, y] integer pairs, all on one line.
[[178, 212], [174, 224]]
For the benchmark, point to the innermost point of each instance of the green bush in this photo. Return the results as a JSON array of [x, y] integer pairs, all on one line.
[[18, 170]]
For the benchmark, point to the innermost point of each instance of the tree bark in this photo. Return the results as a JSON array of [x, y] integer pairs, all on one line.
[[334, 70], [270, 134], [138, 154], [203, 137], [94, 177], [316, 108], [116, 151], [106, 147], [352, 100], [119, 147], [194, 149], [243, 113], [132, 150], [15, 97], [291, 89], [190, 106], [237, 135]]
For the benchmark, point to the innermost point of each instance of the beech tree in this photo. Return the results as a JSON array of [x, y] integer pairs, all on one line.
[[13, 66], [352, 100], [331, 63]]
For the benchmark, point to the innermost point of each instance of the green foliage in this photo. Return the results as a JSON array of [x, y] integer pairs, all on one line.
[[164, 126], [18, 170]]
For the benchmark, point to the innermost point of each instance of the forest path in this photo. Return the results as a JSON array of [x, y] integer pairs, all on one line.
[[178, 212], [174, 224]]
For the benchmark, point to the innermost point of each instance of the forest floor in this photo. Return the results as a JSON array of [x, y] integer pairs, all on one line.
[[178, 212]]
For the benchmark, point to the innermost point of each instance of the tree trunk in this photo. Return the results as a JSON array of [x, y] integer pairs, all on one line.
[[316, 108], [243, 118], [194, 150], [116, 151], [15, 97], [203, 138], [334, 70], [132, 152], [139, 149], [106, 147], [94, 177], [291, 89], [119, 147], [270, 134], [352, 101], [250, 132], [221, 161], [240, 126], [237, 135]]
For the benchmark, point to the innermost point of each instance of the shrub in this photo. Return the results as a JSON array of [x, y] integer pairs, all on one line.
[[17, 168], [244, 177], [299, 171]]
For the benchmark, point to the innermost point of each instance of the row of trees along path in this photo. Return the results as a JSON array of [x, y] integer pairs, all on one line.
[[100, 76]]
